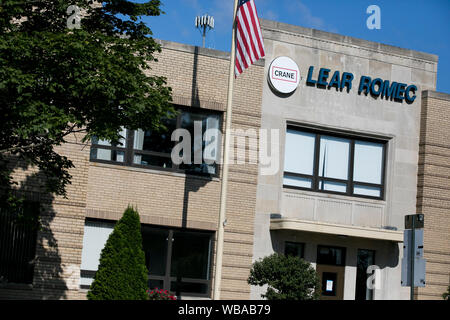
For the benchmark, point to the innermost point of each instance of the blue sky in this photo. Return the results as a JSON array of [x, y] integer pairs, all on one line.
[[422, 25]]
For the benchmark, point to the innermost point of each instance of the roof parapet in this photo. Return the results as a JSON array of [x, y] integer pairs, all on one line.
[[329, 36]]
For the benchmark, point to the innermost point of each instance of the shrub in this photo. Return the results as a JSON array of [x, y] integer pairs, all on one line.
[[122, 274], [446, 295], [159, 294], [287, 277]]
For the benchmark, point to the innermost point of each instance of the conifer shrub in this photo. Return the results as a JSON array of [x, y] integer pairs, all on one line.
[[122, 273]]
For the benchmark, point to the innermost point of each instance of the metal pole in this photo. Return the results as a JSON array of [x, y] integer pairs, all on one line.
[[412, 253], [224, 186], [204, 35]]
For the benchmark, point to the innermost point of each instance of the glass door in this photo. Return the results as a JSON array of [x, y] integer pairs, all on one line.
[[331, 270]]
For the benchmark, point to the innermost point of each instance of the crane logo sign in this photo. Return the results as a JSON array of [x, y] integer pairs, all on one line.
[[284, 75]]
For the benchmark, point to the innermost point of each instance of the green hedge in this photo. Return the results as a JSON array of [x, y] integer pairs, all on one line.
[[122, 274]]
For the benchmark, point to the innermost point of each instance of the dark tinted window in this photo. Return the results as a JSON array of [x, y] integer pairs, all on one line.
[[365, 259], [18, 232], [190, 255], [155, 248], [178, 260], [331, 255], [153, 148], [159, 141], [295, 249]]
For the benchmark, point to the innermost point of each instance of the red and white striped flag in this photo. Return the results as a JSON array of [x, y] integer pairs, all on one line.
[[249, 41]]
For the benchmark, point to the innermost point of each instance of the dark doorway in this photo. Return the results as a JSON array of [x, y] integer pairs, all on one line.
[[365, 259]]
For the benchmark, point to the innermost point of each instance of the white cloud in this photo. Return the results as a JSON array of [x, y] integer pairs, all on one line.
[[222, 11], [269, 14], [307, 18], [194, 4]]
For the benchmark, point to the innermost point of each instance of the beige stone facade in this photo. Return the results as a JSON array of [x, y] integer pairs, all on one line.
[[315, 219], [433, 192]]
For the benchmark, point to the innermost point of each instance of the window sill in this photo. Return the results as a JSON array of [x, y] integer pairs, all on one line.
[[153, 171], [83, 290], [334, 196], [191, 297]]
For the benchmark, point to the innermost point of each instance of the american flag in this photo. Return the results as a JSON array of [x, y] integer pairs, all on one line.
[[249, 41]]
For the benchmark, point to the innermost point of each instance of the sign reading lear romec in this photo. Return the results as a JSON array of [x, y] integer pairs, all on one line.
[[284, 75]]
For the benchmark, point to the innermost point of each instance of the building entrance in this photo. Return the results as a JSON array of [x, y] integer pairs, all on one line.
[[331, 270]]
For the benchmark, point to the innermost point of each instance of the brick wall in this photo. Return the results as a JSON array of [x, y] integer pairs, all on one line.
[[59, 241], [433, 191]]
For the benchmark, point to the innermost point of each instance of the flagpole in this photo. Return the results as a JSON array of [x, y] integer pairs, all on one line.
[[224, 186]]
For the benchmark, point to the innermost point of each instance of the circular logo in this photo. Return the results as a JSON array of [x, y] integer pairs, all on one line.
[[284, 75]]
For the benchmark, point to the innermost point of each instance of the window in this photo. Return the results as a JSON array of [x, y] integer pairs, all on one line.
[[207, 122], [368, 168], [333, 163], [299, 159], [331, 255], [365, 259], [153, 149], [96, 233], [295, 249], [110, 152], [329, 283], [18, 235], [177, 260]]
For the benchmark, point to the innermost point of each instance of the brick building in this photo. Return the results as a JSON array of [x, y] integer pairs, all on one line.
[[433, 191], [181, 203], [340, 224]]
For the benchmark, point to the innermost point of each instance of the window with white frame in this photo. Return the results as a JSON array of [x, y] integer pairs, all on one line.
[[96, 233]]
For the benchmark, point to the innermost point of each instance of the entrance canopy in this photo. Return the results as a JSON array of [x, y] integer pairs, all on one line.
[[336, 229]]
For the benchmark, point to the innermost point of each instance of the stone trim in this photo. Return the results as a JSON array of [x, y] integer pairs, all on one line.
[[329, 228], [204, 104], [346, 40], [435, 95], [200, 51], [162, 221]]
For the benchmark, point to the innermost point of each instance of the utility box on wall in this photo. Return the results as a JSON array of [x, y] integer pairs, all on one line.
[[413, 251]]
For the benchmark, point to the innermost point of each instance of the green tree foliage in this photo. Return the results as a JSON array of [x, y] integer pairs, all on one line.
[[287, 277], [55, 81], [122, 274], [446, 295]]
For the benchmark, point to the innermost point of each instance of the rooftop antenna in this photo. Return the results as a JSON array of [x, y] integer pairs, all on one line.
[[204, 23]]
